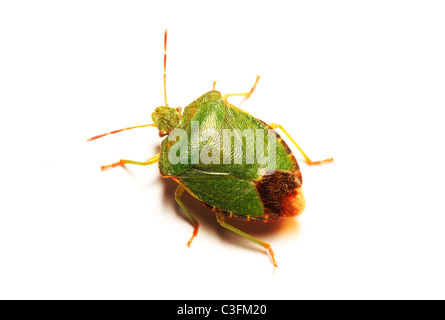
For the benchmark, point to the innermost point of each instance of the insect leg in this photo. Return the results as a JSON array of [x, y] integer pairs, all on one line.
[[265, 245], [124, 161], [246, 95], [178, 193], [306, 158]]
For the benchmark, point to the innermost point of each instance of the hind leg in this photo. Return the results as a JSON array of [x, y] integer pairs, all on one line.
[[265, 245], [306, 158]]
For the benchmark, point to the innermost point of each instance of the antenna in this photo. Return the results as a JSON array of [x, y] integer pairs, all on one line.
[[120, 130], [165, 97], [165, 67]]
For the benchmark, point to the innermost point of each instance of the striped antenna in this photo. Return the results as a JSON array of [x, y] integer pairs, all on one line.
[[165, 97], [120, 130], [165, 67]]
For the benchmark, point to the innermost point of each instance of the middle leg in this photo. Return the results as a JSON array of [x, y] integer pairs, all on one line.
[[178, 193]]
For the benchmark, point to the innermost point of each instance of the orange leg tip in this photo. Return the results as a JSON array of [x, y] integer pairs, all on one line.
[[272, 255], [195, 232], [103, 168], [190, 241], [113, 165], [317, 163]]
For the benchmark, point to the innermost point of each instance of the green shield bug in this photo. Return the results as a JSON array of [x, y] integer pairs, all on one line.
[[235, 164]]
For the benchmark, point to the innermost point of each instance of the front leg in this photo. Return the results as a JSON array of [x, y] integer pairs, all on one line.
[[122, 162]]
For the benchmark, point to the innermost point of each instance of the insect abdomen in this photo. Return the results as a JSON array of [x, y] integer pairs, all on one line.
[[281, 193]]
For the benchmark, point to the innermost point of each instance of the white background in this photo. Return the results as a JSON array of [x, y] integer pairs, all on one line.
[[362, 81]]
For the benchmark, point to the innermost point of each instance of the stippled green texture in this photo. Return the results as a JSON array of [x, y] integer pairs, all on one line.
[[166, 118], [225, 192], [229, 187]]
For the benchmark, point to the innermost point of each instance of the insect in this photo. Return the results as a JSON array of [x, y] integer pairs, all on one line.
[[254, 191]]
